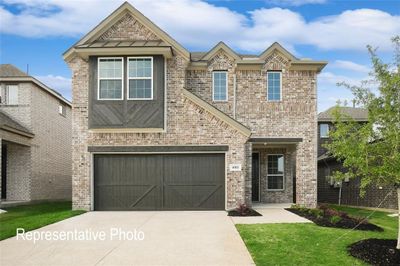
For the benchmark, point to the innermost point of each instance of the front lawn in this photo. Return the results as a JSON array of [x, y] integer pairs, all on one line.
[[34, 216], [309, 244]]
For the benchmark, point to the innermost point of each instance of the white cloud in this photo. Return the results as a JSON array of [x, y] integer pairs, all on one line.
[[58, 83], [200, 25], [349, 65], [295, 2]]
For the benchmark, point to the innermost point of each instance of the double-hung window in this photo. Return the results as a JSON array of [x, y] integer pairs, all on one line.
[[274, 86], [324, 130], [110, 78], [275, 172], [220, 86], [140, 78], [12, 94]]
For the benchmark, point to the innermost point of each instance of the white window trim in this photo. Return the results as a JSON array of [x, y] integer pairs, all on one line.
[[280, 86], [324, 137], [7, 94], [133, 78], [98, 79], [226, 77], [283, 175]]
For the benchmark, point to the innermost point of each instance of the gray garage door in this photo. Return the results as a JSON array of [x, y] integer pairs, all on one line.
[[159, 182]]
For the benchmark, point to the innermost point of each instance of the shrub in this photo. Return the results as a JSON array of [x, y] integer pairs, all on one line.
[[316, 212], [360, 219], [335, 219], [332, 212], [299, 207], [243, 209]]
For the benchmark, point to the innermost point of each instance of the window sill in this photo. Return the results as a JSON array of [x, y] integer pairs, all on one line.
[[140, 99], [276, 190]]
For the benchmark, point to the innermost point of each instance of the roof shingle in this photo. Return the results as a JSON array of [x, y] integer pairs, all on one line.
[[358, 114], [8, 70], [7, 121]]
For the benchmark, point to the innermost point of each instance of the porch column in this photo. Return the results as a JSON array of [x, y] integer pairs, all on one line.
[[306, 175], [248, 171]]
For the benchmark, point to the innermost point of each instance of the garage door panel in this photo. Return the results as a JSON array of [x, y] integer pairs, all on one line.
[[128, 198], [154, 182]]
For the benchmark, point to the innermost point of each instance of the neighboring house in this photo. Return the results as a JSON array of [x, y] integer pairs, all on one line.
[[348, 191], [158, 127], [35, 136]]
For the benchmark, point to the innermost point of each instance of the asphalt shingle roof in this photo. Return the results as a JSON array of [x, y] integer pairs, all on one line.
[[5, 120], [8, 70], [358, 114]]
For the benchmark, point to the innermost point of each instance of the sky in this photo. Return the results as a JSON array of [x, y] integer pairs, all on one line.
[[37, 32]]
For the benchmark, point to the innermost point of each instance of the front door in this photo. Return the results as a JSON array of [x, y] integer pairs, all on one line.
[[255, 177], [3, 171]]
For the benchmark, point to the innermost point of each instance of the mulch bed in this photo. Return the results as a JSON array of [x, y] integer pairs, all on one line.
[[376, 251], [250, 212], [345, 222]]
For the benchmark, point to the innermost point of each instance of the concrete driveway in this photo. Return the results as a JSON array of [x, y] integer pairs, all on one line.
[[170, 238]]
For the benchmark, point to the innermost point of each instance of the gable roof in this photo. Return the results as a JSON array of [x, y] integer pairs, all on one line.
[[8, 70], [9, 124], [199, 59], [11, 73], [277, 47], [217, 113], [220, 46], [358, 114], [117, 14]]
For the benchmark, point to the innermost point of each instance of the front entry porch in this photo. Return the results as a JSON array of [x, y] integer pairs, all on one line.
[[273, 171]]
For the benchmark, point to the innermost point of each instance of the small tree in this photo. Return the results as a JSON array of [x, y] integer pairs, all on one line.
[[371, 150]]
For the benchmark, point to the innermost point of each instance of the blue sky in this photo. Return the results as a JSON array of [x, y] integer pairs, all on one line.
[[37, 32]]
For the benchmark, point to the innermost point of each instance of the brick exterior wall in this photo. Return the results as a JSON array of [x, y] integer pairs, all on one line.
[[40, 170], [384, 196], [187, 124], [51, 150], [294, 116], [286, 195], [19, 170], [200, 82]]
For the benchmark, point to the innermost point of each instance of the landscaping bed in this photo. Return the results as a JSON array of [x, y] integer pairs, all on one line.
[[376, 251], [243, 211], [328, 217], [310, 244]]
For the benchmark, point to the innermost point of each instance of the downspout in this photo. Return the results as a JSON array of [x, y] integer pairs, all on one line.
[[234, 96]]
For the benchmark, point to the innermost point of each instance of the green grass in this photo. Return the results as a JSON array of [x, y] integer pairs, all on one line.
[[309, 244], [34, 216]]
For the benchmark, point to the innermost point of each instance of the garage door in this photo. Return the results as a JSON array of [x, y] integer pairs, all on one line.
[[159, 182]]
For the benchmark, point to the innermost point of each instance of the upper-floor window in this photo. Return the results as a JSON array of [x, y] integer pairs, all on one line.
[[220, 86], [9, 95], [274, 86], [62, 109], [140, 78], [275, 172], [324, 130], [110, 78]]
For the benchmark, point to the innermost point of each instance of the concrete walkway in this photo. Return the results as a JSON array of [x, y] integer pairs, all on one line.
[[170, 238], [273, 213]]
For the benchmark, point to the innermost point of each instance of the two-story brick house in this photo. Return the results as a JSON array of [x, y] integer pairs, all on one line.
[[346, 192], [158, 127], [35, 137]]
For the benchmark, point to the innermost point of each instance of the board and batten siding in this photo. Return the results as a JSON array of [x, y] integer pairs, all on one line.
[[127, 113]]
